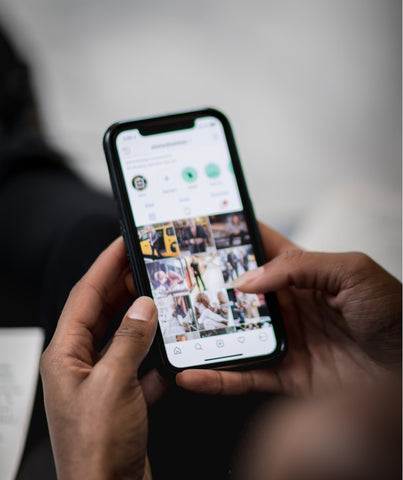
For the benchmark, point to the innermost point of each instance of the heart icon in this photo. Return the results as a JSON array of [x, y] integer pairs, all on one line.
[[241, 339]]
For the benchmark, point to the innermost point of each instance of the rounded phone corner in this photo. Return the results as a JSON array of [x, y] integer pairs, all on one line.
[[109, 132]]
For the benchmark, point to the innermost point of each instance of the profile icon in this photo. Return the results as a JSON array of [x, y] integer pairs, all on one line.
[[139, 182]]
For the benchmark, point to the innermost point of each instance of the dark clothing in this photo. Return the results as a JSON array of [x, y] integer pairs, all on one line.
[[245, 262], [53, 226], [242, 235], [179, 312], [201, 233], [197, 274], [233, 261], [154, 244]]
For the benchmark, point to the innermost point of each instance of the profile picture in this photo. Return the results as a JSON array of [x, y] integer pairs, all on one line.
[[139, 182], [194, 235], [229, 230]]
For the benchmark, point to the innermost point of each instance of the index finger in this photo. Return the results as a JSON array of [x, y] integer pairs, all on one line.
[[274, 243], [219, 382]]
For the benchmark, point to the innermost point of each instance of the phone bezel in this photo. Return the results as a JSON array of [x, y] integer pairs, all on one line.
[[129, 229]]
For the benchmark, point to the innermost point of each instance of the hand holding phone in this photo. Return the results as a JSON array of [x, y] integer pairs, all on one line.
[[190, 232], [343, 316]]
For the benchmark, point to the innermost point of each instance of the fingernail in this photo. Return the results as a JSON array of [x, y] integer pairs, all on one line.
[[248, 277], [142, 309]]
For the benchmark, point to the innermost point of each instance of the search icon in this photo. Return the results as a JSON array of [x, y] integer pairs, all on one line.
[[198, 346]]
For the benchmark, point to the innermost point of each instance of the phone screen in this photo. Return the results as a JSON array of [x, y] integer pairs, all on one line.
[[195, 242]]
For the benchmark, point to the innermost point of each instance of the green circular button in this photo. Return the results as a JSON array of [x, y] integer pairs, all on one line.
[[189, 174], [212, 170]]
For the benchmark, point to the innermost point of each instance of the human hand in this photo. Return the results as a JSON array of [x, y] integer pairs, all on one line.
[[95, 404], [342, 315]]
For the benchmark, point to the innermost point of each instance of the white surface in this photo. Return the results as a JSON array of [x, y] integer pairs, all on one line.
[[20, 350], [358, 217], [313, 87]]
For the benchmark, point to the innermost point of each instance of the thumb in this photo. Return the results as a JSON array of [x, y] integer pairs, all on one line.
[[134, 337], [305, 270]]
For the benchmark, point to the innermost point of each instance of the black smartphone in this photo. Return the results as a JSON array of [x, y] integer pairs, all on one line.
[[190, 231]]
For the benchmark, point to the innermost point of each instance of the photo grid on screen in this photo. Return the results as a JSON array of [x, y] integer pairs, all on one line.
[[191, 264]]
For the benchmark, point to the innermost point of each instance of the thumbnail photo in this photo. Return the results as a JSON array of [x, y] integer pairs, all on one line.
[[236, 261], [182, 337], [176, 317], [204, 272], [167, 277], [229, 230], [158, 241], [194, 235], [248, 308], [213, 312]]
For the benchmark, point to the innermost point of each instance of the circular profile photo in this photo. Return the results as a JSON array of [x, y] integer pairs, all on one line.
[[139, 182]]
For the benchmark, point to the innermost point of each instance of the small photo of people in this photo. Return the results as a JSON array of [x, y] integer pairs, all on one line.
[[176, 317], [194, 235], [167, 277], [183, 337], [229, 230], [213, 313], [158, 241], [204, 272], [247, 308], [254, 326], [236, 261]]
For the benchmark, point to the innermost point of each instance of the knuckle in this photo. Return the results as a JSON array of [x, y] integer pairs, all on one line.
[[353, 268], [85, 286], [246, 382], [292, 255], [359, 261], [215, 384], [134, 332], [362, 258], [107, 370]]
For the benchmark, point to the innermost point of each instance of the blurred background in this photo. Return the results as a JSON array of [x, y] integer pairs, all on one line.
[[312, 88]]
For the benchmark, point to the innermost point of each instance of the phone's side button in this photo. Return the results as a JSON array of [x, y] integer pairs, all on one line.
[[123, 233], [122, 229]]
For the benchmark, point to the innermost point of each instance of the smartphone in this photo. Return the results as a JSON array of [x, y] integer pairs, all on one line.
[[190, 231]]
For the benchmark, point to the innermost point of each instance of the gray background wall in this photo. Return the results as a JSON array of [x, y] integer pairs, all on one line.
[[313, 89]]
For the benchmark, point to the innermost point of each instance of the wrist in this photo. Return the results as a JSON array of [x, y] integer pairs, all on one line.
[[102, 467]]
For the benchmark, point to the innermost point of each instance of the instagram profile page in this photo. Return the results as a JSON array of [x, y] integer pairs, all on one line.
[[195, 242]]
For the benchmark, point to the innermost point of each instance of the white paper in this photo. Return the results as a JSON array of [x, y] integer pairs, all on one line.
[[20, 351]]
